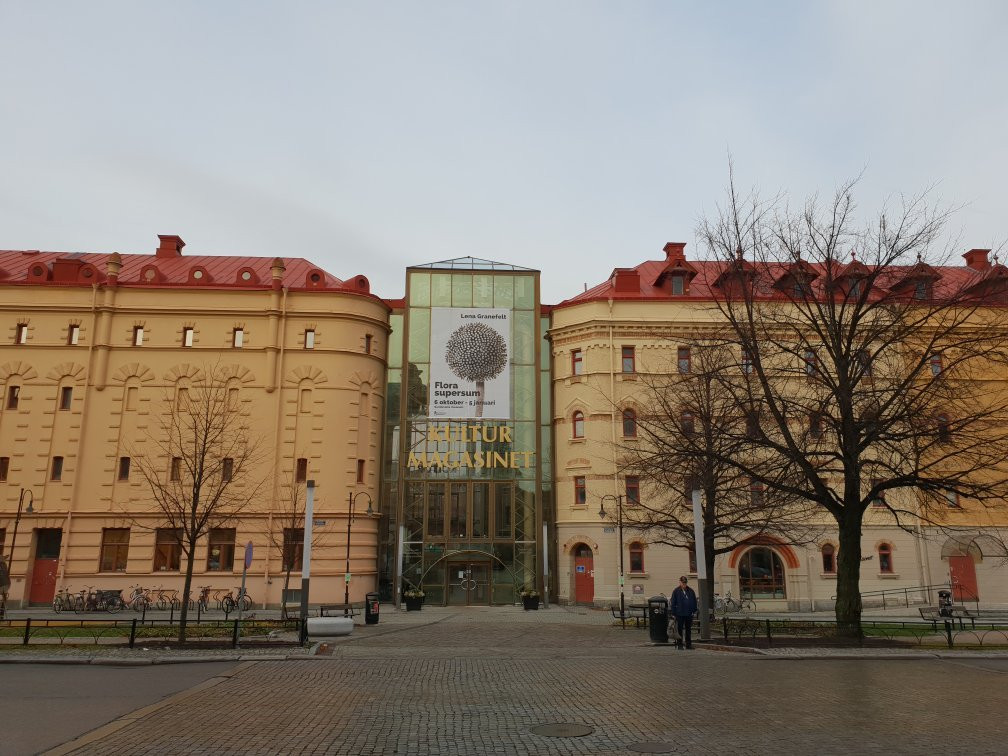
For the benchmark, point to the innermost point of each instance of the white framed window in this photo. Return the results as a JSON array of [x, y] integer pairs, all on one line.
[[187, 336], [21, 333], [138, 335], [238, 338], [73, 334], [309, 338]]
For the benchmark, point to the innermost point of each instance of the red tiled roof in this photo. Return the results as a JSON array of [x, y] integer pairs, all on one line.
[[219, 271], [951, 277]]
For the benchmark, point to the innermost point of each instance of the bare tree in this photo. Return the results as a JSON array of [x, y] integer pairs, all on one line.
[[200, 464], [878, 376], [689, 431], [286, 535]]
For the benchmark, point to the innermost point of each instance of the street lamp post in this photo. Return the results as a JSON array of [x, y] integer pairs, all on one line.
[[10, 559], [346, 577], [619, 520]]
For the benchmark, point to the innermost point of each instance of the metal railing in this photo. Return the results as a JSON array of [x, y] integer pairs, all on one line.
[[925, 592]]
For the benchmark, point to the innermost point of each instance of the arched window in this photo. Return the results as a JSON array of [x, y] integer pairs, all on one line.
[[828, 559], [761, 574], [629, 424], [577, 422], [885, 561], [636, 557]]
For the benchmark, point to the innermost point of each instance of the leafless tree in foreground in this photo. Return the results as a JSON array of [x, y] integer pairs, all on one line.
[[200, 464], [879, 378], [286, 535], [689, 432]]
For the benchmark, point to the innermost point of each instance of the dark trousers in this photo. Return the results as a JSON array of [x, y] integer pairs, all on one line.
[[685, 627]]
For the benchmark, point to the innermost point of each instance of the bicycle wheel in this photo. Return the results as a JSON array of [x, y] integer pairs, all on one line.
[[139, 603], [228, 604], [748, 605], [57, 604], [246, 602], [718, 604], [78, 604], [113, 604]]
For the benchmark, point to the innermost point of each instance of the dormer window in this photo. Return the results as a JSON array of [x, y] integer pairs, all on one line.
[[921, 290], [678, 285]]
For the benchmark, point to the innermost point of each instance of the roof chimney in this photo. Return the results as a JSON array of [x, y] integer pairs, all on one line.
[[977, 259], [171, 246], [675, 251]]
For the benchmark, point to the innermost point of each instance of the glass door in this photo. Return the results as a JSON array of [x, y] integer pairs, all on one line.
[[468, 583]]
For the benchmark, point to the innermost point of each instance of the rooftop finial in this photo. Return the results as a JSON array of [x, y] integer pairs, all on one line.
[[738, 253], [853, 255], [919, 258]]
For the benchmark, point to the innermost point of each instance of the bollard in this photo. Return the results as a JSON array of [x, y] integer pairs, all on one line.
[[234, 635], [769, 640], [171, 615], [143, 617], [27, 630], [199, 611], [948, 632], [133, 634], [724, 624]]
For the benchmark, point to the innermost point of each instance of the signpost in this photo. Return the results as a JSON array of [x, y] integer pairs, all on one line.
[[241, 594], [306, 556], [701, 566]]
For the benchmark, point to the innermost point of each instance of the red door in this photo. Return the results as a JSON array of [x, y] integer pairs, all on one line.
[[964, 582], [47, 551], [584, 576]]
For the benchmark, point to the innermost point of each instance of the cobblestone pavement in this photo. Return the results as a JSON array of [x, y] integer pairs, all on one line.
[[457, 682]]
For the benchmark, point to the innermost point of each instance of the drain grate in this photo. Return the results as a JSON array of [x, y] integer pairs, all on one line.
[[652, 747], [563, 730]]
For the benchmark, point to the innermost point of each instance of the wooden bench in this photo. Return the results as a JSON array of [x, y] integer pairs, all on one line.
[[933, 615], [338, 610], [636, 613]]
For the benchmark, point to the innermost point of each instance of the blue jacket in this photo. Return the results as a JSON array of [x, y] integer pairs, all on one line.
[[684, 603]]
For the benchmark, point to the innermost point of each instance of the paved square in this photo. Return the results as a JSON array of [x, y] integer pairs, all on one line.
[[466, 683]]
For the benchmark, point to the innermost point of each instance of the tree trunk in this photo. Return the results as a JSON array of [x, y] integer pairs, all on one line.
[[186, 588], [848, 590], [283, 596]]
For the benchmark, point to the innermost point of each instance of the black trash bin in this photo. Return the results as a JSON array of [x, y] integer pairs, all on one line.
[[657, 609], [371, 606], [945, 603]]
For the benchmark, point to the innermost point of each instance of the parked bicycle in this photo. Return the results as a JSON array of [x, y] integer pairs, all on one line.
[[92, 600], [64, 600], [230, 602], [727, 604]]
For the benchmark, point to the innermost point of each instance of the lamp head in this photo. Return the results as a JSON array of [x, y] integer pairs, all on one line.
[[29, 510]]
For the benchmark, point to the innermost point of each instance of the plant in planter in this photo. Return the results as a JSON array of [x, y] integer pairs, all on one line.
[[414, 599], [530, 598]]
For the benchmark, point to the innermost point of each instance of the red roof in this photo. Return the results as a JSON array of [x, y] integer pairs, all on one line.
[[168, 268]]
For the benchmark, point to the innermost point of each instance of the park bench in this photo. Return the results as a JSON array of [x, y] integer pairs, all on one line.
[[933, 615], [636, 613], [338, 610]]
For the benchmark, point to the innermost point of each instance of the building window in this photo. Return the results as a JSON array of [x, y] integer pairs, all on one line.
[[293, 548], [360, 470], [367, 343], [864, 362], [580, 491], [227, 469], [176, 469], [878, 500], [752, 425], [13, 396], [921, 290], [828, 559], [124, 468], [678, 285], [301, 472], [761, 574], [167, 549], [114, 549], [56, 469], [138, 335], [815, 426], [811, 364], [66, 397], [756, 494], [187, 336], [309, 338], [633, 489], [636, 557], [629, 424], [684, 361], [691, 556], [951, 499], [747, 362], [935, 362], [629, 360], [577, 362], [943, 429], [885, 560], [4, 467], [73, 334], [688, 424], [238, 338], [21, 333], [577, 422], [221, 551]]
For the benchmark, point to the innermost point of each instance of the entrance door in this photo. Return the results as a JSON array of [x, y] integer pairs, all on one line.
[[584, 575], [47, 551], [468, 583], [962, 570]]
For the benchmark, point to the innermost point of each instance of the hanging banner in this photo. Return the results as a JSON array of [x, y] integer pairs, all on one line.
[[470, 352]]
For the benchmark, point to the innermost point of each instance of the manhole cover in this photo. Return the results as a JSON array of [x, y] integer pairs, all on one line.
[[652, 747], [563, 730]]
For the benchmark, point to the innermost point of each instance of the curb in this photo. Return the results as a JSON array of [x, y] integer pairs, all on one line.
[[114, 661]]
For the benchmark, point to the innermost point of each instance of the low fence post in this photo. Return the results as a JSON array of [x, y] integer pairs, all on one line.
[[27, 630], [724, 624], [234, 635], [133, 633], [769, 638], [143, 617], [948, 632]]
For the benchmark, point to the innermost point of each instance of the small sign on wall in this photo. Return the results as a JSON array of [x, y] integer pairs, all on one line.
[[638, 589], [581, 568]]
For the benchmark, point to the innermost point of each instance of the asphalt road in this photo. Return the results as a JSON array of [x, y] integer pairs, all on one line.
[[43, 705]]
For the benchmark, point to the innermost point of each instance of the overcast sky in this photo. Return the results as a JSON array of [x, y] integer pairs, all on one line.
[[572, 137]]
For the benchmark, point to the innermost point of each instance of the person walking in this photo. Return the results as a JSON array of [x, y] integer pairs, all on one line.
[[684, 606]]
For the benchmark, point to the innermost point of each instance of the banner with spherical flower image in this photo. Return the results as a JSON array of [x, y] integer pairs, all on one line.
[[470, 355]]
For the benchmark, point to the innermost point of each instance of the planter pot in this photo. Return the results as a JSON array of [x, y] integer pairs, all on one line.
[[530, 602], [414, 604]]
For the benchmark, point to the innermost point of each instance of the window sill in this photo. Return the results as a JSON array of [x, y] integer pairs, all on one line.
[[641, 575], [628, 376], [888, 576], [575, 379], [827, 575], [579, 440]]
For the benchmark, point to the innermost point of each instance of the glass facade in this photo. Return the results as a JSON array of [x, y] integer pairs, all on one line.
[[467, 484]]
